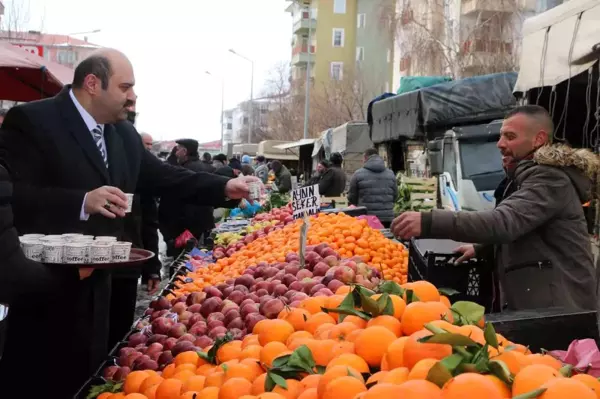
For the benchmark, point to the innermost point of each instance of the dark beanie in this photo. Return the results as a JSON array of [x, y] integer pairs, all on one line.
[[235, 163], [190, 145]]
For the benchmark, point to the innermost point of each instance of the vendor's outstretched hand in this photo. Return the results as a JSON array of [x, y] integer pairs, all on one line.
[[238, 188], [407, 225]]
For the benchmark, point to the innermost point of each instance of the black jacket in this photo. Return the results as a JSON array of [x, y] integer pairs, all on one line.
[[54, 161], [19, 276], [333, 182], [176, 215]]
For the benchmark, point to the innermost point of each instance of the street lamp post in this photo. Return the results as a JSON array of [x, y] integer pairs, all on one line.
[[222, 105], [232, 51], [308, 58]]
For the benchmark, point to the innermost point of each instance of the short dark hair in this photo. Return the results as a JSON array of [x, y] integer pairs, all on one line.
[[540, 114], [260, 158], [3, 111], [206, 157], [220, 157], [325, 163], [96, 65], [336, 159], [370, 152]]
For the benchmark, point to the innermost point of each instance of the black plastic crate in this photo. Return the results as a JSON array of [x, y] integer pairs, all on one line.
[[85, 389], [432, 260]]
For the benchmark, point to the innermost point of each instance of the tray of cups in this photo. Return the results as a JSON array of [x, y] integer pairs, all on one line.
[[78, 250]]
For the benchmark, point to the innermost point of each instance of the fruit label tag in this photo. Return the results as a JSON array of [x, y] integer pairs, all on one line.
[[303, 234], [306, 201]]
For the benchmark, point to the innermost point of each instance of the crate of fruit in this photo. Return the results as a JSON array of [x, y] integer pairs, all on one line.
[[433, 260]]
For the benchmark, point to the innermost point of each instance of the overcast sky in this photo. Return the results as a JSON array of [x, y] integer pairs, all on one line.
[[171, 44]]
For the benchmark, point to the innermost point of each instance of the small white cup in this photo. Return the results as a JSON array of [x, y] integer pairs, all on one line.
[[129, 203], [53, 237], [53, 251], [106, 239], [33, 236], [121, 251], [101, 252], [33, 250], [254, 188], [75, 252]]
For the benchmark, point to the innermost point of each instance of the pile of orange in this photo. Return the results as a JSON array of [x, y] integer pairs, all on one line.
[[356, 359], [347, 235]]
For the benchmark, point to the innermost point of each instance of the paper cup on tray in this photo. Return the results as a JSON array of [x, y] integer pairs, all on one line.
[[33, 236], [106, 239], [75, 253], [33, 250], [121, 251], [53, 251], [101, 252], [53, 237]]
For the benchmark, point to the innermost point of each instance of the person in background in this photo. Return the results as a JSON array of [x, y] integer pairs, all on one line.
[[322, 167], [333, 181], [537, 234], [147, 139], [283, 178], [246, 160], [234, 168], [262, 170], [374, 186], [207, 160], [174, 215], [247, 169], [219, 161], [172, 157], [3, 112]]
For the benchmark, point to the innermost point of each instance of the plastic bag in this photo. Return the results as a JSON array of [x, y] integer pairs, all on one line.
[[183, 238], [373, 221], [583, 355]]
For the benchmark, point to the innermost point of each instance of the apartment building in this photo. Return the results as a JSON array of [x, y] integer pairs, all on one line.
[[347, 41], [460, 37]]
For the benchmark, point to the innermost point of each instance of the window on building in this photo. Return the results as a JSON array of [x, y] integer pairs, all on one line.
[[245, 120], [67, 57], [338, 37], [229, 126], [360, 54], [339, 6], [361, 20], [337, 70]]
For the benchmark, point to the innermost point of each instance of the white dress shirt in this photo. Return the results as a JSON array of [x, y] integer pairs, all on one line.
[[91, 124]]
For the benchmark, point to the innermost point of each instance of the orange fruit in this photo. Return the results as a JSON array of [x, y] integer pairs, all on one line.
[[322, 351], [533, 377], [169, 371], [188, 357], [417, 389], [503, 389], [343, 290], [382, 391], [414, 351], [133, 381], [293, 390], [251, 351], [322, 332], [234, 388], [384, 363], [336, 372], [341, 331], [251, 339], [298, 335], [372, 343], [310, 393], [342, 347], [548, 360], [229, 351], [350, 360], [590, 381], [272, 395], [395, 353], [424, 290], [189, 395], [194, 383], [514, 360], [445, 301], [149, 382], [470, 385], [343, 388], [271, 351], [316, 320], [311, 381], [184, 367], [135, 396], [184, 375], [396, 376], [360, 323], [254, 366], [150, 393], [169, 389], [389, 322], [104, 395], [208, 393], [239, 371], [421, 369], [258, 385], [215, 379], [561, 388], [276, 331], [295, 316], [205, 369], [417, 314], [313, 304], [375, 378]]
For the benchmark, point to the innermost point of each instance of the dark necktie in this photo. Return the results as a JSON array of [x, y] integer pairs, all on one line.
[[98, 135]]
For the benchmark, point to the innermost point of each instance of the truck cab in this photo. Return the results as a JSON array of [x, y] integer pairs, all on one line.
[[468, 166]]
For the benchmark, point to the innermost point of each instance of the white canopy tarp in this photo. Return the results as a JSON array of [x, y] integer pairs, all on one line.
[[559, 44]]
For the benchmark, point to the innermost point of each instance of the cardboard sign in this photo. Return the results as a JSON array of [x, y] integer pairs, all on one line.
[[306, 201]]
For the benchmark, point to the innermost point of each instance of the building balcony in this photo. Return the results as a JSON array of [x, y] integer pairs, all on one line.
[[300, 55], [473, 7], [480, 53], [304, 23]]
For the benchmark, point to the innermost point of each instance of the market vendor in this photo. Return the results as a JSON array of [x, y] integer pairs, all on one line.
[[72, 159], [537, 232], [283, 177]]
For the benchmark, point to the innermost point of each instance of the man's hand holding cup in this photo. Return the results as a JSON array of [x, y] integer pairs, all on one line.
[[107, 201], [239, 187]]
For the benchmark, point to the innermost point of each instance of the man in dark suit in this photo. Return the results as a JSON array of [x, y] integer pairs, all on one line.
[[72, 158]]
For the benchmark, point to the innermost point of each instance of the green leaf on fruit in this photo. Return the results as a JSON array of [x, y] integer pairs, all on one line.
[[490, 335], [439, 374], [452, 362], [348, 312], [211, 356], [448, 291], [385, 305], [302, 358], [276, 380], [281, 361], [467, 312], [531, 394], [411, 297], [110, 387], [566, 370], [321, 369], [369, 305], [391, 288], [500, 370], [449, 339]]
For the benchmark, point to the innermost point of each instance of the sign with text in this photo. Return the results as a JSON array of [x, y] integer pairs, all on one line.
[[306, 201]]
